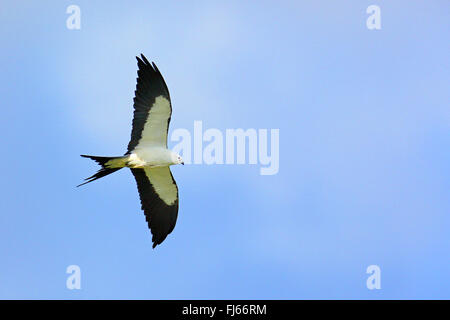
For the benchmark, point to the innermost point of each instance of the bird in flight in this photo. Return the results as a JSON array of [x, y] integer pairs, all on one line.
[[147, 155]]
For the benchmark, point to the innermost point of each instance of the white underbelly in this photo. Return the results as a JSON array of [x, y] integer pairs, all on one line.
[[150, 157]]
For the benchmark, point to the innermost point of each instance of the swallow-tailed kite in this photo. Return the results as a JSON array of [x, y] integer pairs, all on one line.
[[147, 155]]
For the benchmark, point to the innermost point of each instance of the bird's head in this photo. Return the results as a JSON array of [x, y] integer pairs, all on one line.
[[177, 159]]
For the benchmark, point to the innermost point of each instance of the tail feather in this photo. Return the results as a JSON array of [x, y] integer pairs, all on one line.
[[104, 171]]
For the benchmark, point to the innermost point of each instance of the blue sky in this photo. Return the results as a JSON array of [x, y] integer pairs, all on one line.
[[364, 175]]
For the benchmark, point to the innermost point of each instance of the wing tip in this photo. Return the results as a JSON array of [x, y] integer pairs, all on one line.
[[145, 59], [142, 59]]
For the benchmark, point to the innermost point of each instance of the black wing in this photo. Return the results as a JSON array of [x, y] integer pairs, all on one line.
[[152, 107], [158, 192]]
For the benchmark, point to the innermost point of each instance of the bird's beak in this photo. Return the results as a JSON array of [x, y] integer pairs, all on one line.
[[182, 163]]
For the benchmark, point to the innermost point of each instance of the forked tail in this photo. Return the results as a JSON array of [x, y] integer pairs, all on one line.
[[109, 165]]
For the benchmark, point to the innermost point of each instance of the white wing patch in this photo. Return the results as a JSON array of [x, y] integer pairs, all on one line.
[[162, 182], [155, 128]]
